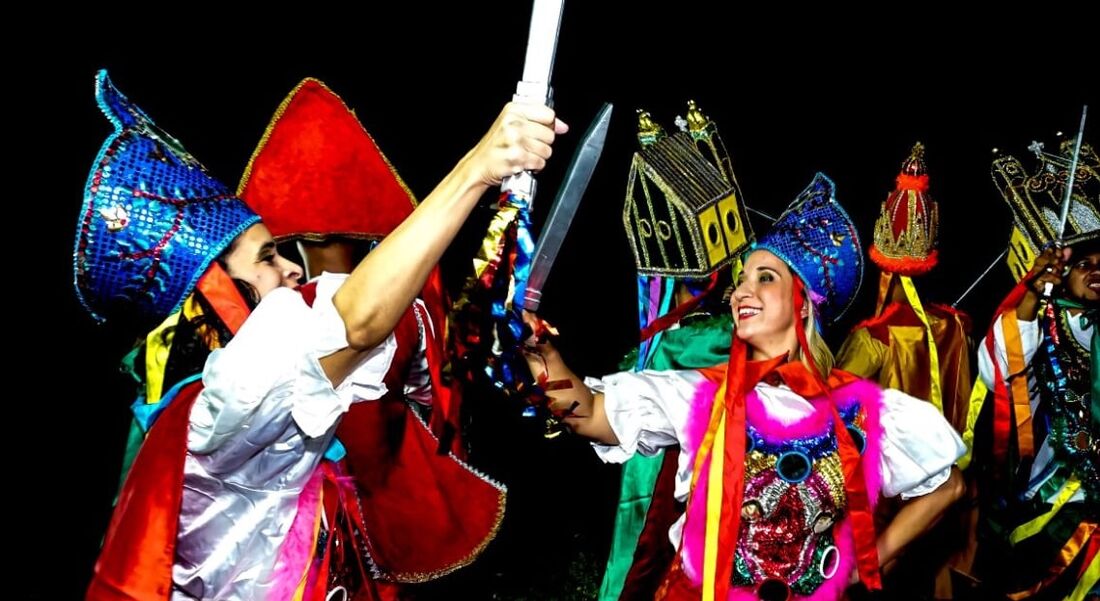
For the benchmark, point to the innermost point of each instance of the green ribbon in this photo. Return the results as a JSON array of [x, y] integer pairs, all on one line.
[[698, 342]]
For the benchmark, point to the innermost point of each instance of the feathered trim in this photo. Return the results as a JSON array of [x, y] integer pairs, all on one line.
[[865, 392], [918, 183], [909, 266]]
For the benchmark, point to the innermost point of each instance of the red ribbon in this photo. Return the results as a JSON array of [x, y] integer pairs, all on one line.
[[139, 549], [674, 316], [219, 290], [859, 505], [733, 472]]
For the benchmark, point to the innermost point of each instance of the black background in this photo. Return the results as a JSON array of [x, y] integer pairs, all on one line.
[[794, 91]]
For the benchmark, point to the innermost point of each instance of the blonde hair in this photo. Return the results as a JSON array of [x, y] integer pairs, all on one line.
[[822, 355]]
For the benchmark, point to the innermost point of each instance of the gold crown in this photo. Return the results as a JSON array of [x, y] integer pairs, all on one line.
[[907, 227], [683, 215], [1036, 200]]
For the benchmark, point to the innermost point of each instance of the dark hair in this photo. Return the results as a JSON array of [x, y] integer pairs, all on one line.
[[192, 339], [1085, 247]]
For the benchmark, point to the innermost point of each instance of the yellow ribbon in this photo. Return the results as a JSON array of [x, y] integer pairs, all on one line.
[[977, 399], [1073, 547], [714, 509], [1032, 527], [158, 345], [935, 395], [488, 251], [486, 255]]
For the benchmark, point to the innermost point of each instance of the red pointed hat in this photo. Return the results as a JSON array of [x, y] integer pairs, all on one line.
[[906, 230], [317, 172]]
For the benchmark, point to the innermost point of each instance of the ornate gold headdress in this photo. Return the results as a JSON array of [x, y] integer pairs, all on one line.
[[684, 213], [1036, 201], [907, 228]]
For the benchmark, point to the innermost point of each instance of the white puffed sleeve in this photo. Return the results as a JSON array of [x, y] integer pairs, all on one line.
[[269, 377], [330, 335], [647, 410], [918, 446]]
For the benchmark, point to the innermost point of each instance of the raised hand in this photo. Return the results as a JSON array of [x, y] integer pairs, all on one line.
[[519, 140], [1047, 270]]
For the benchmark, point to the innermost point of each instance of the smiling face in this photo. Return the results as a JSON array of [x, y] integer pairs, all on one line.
[[1083, 280], [255, 259], [763, 308]]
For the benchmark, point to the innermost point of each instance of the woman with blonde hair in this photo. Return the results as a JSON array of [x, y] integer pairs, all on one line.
[[783, 456]]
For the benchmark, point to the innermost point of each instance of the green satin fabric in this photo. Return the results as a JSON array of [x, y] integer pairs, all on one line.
[[1095, 351], [1090, 316], [700, 342]]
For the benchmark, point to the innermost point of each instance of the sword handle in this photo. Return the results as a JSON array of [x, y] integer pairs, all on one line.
[[532, 299], [534, 92], [523, 184], [534, 86]]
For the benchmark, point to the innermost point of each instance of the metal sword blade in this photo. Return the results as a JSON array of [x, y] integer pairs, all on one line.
[[565, 205]]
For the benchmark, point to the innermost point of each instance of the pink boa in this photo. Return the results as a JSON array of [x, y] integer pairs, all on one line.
[[776, 431]]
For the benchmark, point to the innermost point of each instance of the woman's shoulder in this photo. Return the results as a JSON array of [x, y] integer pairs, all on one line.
[[280, 315]]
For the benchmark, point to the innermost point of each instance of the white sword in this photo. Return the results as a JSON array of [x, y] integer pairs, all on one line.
[[1068, 198], [542, 45]]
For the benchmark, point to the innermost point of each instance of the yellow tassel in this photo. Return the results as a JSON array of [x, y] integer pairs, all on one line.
[[936, 394]]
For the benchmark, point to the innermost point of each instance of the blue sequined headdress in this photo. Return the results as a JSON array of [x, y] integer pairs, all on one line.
[[819, 241], [152, 218]]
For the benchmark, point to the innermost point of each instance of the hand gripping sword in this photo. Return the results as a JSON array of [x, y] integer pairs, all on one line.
[[487, 321], [534, 88]]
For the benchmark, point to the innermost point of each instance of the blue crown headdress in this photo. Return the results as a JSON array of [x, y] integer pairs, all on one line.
[[819, 241], [152, 218]]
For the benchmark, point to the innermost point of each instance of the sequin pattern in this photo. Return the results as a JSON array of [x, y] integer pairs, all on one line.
[[817, 238], [152, 219], [787, 520], [1064, 375]]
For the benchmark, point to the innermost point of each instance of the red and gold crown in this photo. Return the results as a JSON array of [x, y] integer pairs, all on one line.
[[317, 172], [906, 230]]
